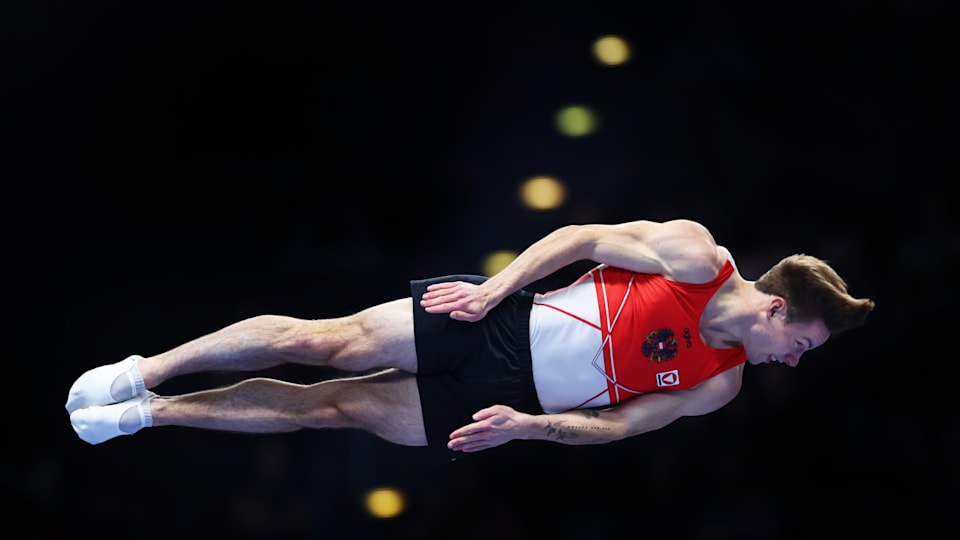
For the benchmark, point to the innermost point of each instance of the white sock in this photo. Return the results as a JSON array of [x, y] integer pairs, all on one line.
[[107, 384], [97, 424]]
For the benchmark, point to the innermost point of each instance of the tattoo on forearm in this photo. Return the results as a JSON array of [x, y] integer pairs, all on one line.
[[564, 430]]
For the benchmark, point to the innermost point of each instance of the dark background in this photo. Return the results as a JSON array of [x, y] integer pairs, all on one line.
[[171, 167]]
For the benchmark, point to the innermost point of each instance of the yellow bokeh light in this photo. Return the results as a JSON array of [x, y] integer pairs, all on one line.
[[611, 50], [385, 502], [497, 261], [576, 120], [542, 193]]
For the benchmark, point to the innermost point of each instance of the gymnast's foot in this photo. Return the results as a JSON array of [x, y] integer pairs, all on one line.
[[107, 384], [97, 424]]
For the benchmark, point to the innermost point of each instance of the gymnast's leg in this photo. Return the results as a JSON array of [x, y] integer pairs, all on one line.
[[386, 404], [378, 337]]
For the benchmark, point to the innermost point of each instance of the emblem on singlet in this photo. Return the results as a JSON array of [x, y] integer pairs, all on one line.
[[659, 345]]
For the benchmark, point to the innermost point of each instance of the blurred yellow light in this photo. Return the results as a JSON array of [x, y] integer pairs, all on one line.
[[497, 261], [385, 502], [611, 50], [576, 120], [542, 193]]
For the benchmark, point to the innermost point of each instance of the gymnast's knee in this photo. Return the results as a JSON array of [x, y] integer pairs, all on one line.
[[327, 406], [327, 417]]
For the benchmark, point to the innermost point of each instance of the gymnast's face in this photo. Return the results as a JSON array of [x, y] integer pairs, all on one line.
[[774, 340]]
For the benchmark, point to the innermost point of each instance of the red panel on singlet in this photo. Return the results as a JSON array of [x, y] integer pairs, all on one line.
[[650, 332]]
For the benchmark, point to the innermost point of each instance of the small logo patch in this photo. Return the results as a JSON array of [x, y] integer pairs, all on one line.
[[668, 378]]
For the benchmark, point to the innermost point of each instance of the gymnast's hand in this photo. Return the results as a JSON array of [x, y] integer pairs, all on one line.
[[493, 426], [463, 301]]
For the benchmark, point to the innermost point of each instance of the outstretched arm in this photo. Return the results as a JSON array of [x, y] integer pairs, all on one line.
[[680, 249], [499, 424]]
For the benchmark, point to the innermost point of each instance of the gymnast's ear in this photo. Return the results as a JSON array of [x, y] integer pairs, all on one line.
[[776, 305]]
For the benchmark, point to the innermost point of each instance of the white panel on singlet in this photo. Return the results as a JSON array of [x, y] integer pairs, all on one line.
[[565, 345]]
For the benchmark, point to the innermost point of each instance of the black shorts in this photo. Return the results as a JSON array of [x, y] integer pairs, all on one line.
[[467, 366]]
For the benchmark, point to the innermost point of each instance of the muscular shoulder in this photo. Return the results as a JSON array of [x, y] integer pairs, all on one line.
[[689, 252], [681, 249], [714, 392]]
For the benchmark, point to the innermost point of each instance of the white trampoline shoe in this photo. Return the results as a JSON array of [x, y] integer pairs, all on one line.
[[107, 384], [97, 424]]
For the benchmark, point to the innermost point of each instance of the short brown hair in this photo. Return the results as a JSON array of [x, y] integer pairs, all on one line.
[[814, 290]]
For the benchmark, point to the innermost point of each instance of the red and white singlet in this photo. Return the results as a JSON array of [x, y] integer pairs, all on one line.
[[614, 334]]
